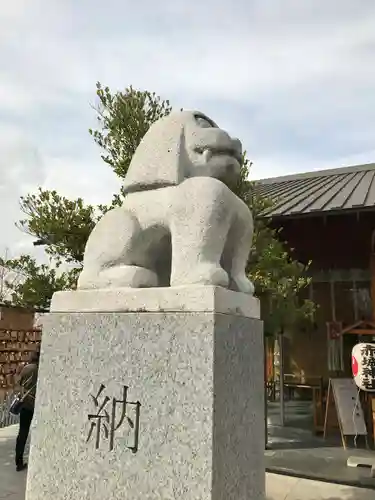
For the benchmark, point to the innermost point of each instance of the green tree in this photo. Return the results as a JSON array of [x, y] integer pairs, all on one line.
[[64, 225], [123, 119], [61, 224], [37, 283]]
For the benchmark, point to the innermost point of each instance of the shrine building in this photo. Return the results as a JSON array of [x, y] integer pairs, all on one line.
[[328, 217]]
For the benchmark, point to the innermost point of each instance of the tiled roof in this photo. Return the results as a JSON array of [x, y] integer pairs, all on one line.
[[321, 191]]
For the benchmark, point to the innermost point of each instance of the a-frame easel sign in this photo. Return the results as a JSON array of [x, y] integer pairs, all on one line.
[[344, 397]]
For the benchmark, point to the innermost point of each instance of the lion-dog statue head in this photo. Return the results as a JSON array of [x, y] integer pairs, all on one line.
[[181, 145]]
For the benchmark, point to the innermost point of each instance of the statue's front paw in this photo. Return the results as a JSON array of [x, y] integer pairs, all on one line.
[[242, 284], [212, 275]]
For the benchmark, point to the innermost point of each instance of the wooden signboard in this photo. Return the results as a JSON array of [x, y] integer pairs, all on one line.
[[343, 393], [15, 349]]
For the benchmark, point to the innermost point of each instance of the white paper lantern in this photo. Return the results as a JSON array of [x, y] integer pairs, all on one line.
[[363, 366]]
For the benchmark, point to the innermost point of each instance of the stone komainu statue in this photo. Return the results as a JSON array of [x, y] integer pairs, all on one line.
[[180, 224]]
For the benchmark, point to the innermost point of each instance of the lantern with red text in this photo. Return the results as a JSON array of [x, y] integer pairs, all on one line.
[[363, 366]]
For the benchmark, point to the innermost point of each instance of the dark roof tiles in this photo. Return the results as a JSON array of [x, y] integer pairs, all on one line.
[[323, 191]]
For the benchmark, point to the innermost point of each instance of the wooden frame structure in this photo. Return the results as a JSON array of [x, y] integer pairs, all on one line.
[[15, 349], [364, 327]]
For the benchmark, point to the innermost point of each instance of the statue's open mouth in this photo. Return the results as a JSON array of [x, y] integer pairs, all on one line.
[[209, 152]]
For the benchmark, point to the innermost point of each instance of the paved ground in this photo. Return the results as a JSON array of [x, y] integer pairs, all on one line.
[[12, 483], [290, 488], [294, 450]]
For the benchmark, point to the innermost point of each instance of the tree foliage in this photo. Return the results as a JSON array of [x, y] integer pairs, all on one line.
[[278, 278], [39, 283], [7, 278], [61, 224], [123, 120], [64, 225]]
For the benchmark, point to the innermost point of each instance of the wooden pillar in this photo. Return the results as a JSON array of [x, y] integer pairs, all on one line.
[[372, 271], [355, 299], [331, 343], [281, 371], [265, 393], [332, 298]]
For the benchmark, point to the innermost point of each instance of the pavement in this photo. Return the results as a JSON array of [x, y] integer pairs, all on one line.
[[295, 451], [278, 487], [12, 483]]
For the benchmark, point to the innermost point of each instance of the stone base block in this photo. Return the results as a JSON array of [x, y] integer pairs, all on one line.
[[176, 299], [149, 406]]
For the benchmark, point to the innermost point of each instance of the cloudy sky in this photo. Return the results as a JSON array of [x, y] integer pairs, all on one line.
[[293, 79]]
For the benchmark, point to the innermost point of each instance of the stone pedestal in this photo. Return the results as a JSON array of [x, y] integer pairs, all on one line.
[[150, 403]]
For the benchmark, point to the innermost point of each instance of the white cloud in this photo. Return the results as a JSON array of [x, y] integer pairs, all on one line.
[[213, 53], [294, 80], [271, 166], [72, 180]]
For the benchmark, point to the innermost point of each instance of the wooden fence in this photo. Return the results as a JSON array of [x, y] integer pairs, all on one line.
[[15, 349]]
